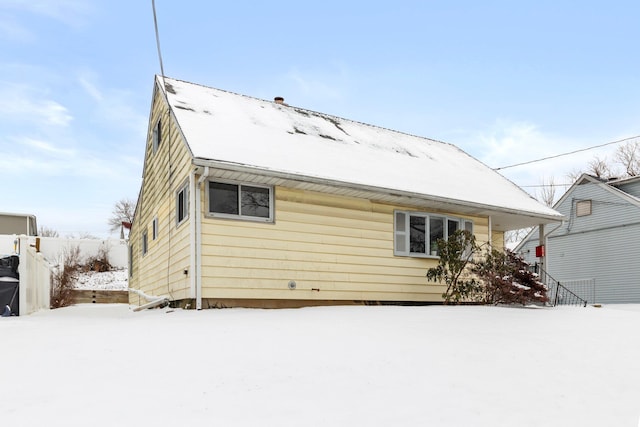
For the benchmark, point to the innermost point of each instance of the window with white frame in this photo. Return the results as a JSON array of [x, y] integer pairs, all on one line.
[[241, 201], [154, 228], [417, 233], [182, 204], [145, 242], [156, 137]]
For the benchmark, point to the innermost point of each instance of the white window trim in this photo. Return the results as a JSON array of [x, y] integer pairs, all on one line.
[[154, 228], [145, 242], [183, 189], [156, 135], [462, 222], [240, 216]]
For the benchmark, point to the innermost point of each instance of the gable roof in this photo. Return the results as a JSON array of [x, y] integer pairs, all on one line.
[[237, 132], [584, 179], [609, 186]]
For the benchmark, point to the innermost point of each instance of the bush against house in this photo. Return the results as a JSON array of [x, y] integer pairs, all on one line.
[[490, 277], [455, 267], [507, 279]]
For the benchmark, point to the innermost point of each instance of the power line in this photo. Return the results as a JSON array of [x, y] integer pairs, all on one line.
[[567, 154], [545, 185]]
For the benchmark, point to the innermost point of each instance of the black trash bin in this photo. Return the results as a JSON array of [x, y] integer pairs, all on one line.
[[9, 285]]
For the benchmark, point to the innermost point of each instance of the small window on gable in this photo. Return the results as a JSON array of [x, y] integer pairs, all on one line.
[[145, 242], [583, 207], [242, 201], [154, 229], [182, 204], [157, 135], [416, 234]]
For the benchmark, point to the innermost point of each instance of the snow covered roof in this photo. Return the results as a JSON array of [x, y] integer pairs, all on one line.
[[224, 128]]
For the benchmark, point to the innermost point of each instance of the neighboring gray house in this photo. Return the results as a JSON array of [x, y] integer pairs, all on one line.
[[596, 250], [17, 223]]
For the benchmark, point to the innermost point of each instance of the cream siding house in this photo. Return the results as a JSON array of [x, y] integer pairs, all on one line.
[[246, 202]]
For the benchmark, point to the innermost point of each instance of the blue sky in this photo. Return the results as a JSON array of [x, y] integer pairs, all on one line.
[[505, 81]]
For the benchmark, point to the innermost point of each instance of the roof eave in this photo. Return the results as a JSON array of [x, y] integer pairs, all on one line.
[[504, 218]]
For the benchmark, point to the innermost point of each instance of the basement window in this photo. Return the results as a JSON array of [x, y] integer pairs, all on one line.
[[583, 207], [416, 233], [240, 201]]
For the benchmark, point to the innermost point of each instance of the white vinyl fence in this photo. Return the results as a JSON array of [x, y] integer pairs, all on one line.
[[36, 267], [35, 279]]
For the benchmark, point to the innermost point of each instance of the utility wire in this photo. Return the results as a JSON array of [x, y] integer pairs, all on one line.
[[567, 154]]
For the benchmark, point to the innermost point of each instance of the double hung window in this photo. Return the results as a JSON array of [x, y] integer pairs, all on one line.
[[416, 233]]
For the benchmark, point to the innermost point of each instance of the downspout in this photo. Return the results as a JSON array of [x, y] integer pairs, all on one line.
[[153, 301], [196, 260]]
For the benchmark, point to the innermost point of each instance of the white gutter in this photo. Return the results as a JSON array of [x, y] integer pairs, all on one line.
[[196, 240], [454, 203], [153, 300]]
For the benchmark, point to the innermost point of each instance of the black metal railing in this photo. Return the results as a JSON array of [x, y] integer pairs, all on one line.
[[564, 296], [559, 294]]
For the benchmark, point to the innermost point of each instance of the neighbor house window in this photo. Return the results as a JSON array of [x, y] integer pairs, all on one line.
[[583, 207], [182, 204], [156, 136], [145, 242], [244, 201], [154, 228], [417, 233]]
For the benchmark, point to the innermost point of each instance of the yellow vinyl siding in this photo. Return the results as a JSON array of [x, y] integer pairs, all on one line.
[[334, 248], [161, 270]]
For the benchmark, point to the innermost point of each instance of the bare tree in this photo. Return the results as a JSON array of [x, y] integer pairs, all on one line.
[[122, 212], [628, 156], [600, 168], [547, 192], [48, 232]]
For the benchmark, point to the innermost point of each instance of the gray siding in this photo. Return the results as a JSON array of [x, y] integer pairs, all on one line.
[[610, 256], [608, 210], [632, 188], [604, 246]]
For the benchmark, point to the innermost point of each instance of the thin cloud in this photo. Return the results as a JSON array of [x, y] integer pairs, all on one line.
[[322, 85], [509, 142], [23, 103], [11, 30], [70, 12], [90, 89]]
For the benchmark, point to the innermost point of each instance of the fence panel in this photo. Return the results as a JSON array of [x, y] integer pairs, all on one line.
[[35, 279]]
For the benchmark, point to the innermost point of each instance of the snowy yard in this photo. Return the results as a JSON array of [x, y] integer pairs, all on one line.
[[104, 365]]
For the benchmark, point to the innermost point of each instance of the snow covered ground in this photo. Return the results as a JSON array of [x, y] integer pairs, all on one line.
[[105, 365], [114, 280]]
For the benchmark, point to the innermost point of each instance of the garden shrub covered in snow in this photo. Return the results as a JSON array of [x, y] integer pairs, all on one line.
[[490, 277]]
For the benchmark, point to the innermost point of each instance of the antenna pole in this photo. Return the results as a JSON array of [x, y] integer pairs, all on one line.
[[155, 22]]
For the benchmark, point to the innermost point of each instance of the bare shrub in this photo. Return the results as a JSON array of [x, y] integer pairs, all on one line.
[[99, 262], [64, 278]]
